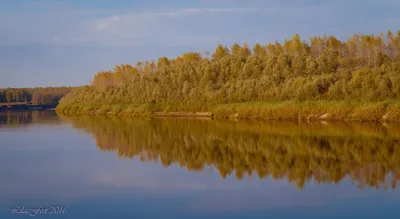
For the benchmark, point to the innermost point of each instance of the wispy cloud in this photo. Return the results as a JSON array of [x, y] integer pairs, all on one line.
[[179, 13], [213, 10], [134, 27], [94, 35], [65, 24]]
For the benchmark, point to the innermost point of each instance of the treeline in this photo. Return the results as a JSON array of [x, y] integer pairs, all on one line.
[[368, 154], [41, 95], [363, 68]]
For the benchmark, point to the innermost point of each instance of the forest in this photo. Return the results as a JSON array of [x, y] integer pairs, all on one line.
[[365, 69], [37, 96], [300, 153]]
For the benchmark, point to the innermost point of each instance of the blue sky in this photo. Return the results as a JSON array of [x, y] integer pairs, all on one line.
[[65, 42]]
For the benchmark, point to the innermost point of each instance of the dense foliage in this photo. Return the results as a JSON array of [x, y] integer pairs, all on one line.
[[40, 95], [363, 68], [369, 154]]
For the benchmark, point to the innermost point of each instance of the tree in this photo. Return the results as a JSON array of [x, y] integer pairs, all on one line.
[[220, 52], [259, 50], [9, 96], [323, 69], [162, 62]]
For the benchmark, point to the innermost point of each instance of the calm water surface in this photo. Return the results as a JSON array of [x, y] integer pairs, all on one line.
[[187, 168]]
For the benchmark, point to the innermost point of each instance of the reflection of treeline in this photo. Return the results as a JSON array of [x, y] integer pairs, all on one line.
[[363, 68], [369, 155], [40, 95], [10, 118]]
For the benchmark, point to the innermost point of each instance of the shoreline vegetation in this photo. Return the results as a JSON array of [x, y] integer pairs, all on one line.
[[322, 79], [285, 110]]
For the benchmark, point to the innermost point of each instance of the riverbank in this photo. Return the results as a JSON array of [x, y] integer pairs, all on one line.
[[282, 110]]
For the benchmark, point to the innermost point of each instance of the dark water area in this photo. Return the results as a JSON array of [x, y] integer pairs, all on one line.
[[107, 167], [26, 107]]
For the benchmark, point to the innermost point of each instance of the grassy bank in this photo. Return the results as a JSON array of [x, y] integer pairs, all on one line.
[[310, 110], [282, 110]]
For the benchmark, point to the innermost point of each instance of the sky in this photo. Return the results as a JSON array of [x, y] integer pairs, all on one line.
[[65, 42]]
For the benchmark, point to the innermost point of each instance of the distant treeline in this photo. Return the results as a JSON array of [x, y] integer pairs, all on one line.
[[41, 95], [368, 154], [365, 68]]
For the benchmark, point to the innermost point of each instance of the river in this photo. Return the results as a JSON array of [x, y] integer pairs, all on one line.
[[108, 167]]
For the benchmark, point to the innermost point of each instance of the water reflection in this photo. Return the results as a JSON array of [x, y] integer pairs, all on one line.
[[47, 164], [367, 153], [22, 118]]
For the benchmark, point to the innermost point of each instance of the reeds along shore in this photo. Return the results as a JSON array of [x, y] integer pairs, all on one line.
[[324, 78], [286, 110]]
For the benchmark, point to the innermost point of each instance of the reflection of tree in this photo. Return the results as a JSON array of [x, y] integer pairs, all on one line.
[[17, 118], [368, 154]]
